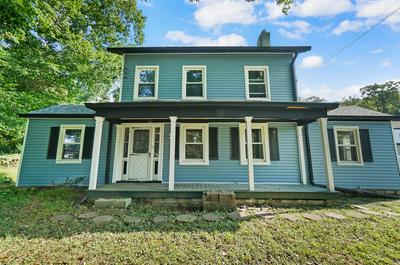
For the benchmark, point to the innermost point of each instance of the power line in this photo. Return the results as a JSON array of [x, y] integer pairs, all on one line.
[[364, 33]]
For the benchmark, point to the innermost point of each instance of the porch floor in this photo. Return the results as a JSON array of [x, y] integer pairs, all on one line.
[[195, 190]]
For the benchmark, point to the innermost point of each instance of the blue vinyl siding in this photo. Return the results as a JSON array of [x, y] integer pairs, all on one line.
[[286, 170], [103, 154], [382, 173], [225, 74], [36, 169]]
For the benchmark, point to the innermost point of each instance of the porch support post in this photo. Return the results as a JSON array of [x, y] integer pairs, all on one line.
[[96, 152], [117, 154], [250, 163], [302, 162], [327, 155], [171, 175]]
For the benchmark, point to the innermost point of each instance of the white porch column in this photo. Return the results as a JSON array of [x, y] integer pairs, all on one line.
[[250, 163], [327, 155], [302, 162], [96, 152], [171, 175], [117, 154]]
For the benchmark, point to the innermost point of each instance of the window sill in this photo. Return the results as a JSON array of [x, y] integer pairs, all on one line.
[[351, 164], [258, 99], [145, 99], [194, 98], [67, 161], [256, 163], [193, 163]]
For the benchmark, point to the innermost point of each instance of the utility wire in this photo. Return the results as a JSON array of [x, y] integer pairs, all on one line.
[[364, 33]]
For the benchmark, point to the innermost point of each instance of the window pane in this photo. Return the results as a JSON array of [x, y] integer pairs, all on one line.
[[72, 136], [146, 90], [345, 137], [126, 137], [194, 90], [155, 167], [257, 90], [257, 136], [147, 76], [348, 153], [256, 76], [398, 149], [194, 136], [141, 141], [194, 76], [258, 151], [194, 151], [71, 151], [125, 167], [125, 154]]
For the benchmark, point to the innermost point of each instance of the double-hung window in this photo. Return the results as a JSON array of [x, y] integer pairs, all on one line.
[[194, 144], [70, 144], [194, 82], [146, 82], [257, 82], [348, 145], [260, 144]]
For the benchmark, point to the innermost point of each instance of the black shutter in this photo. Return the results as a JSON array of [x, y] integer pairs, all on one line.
[[273, 144], [366, 145], [88, 143], [332, 146], [53, 143], [234, 132], [213, 143], [177, 133]]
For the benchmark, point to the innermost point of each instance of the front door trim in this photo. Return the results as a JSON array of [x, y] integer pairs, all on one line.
[[119, 158]]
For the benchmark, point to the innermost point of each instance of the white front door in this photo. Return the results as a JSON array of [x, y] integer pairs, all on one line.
[[140, 155]]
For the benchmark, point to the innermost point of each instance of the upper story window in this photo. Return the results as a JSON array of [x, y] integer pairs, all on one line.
[[348, 145], [194, 82], [257, 82], [70, 144], [146, 82]]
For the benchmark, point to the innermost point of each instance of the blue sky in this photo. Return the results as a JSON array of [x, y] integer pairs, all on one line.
[[325, 25]]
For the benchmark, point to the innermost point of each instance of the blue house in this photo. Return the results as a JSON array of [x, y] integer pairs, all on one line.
[[187, 118]]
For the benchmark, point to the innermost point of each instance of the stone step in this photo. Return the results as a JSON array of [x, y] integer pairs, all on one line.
[[112, 203]]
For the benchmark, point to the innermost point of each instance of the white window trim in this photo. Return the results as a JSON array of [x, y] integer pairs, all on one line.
[[395, 125], [182, 140], [186, 68], [264, 68], [139, 68], [355, 129], [265, 138], [63, 128]]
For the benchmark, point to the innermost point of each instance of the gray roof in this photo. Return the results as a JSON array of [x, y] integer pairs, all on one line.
[[356, 111], [64, 109]]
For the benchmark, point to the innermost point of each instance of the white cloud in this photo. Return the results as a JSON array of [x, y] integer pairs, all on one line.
[[274, 11], [386, 63], [295, 29], [318, 8], [377, 9], [348, 25], [179, 37], [212, 14], [331, 94], [377, 51], [312, 61]]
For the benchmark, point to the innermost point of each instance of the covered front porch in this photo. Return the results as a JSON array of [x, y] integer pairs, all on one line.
[[151, 120], [196, 190]]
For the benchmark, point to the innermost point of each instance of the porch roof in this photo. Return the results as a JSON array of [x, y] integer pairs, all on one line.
[[220, 110]]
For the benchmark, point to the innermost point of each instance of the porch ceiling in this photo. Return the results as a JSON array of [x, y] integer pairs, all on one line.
[[291, 111]]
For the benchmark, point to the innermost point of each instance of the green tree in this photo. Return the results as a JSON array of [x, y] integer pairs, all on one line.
[[54, 51], [383, 97]]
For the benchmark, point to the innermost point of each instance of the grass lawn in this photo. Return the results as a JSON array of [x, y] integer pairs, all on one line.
[[27, 235]]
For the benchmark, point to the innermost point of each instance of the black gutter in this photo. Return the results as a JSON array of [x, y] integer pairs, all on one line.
[[108, 154], [294, 81], [211, 49], [309, 158]]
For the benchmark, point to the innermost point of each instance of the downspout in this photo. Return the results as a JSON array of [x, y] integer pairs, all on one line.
[[309, 158], [294, 81]]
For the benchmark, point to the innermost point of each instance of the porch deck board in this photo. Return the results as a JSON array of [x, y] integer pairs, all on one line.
[[195, 190]]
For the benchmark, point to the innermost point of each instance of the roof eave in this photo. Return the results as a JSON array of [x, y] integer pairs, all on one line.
[[54, 115], [363, 118]]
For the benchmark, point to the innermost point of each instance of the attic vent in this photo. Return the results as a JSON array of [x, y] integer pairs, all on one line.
[[264, 40]]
